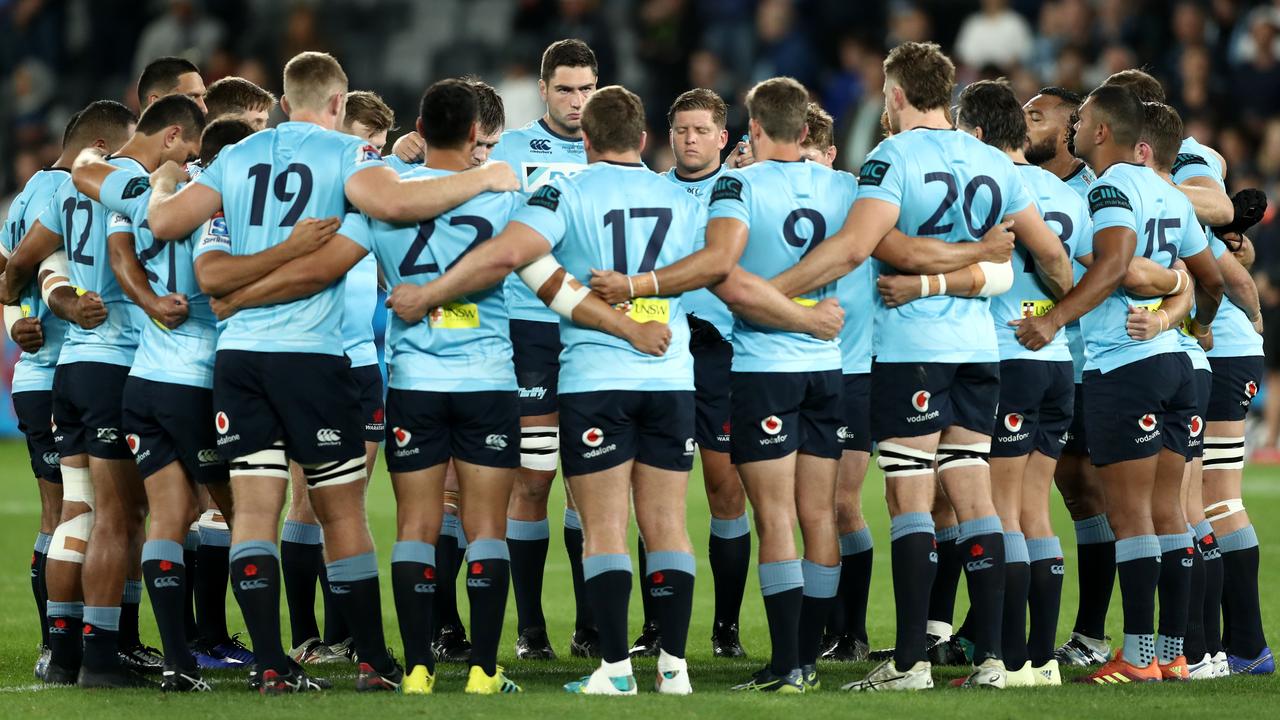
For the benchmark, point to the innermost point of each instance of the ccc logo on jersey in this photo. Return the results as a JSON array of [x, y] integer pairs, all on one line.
[[540, 145]]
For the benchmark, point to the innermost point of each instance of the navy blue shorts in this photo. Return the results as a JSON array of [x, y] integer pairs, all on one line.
[[855, 433], [86, 408], [369, 384], [167, 422], [1202, 381], [1076, 442], [308, 400], [1037, 398], [601, 430], [914, 399], [1235, 382], [712, 366], [536, 353], [34, 411], [425, 429], [1137, 409], [776, 414]]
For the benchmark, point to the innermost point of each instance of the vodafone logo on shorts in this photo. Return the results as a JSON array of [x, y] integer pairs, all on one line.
[[592, 437], [221, 423], [920, 400], [1251, 388], [1147, 422], [771, 425], [1196, 425], [133, 441], [1013, 422], [402, 436]]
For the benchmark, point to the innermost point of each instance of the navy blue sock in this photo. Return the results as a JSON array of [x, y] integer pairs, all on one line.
[[729, 553], [255, 581], [669, 588], [782, 584], [1138, 565], [101, 635], [488, 573], [1211, 610], [213, 573], [942, 593], [856, 555], [66, 623], [413, 584], [608, 589], [1017, 590], [584, 612], [821, 583], [354, 584], [39, 558], [1096, 574], [166, 576], [981, 544], [527, 542], [1045, 597], [1240, 583], [301, 558], [913, 553]]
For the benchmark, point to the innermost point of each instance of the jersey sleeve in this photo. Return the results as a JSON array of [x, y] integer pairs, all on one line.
[[123, 190], [118, 222], [730, 198], [355, 227], [883, 175], [51, 215], [359, 155], [1020, 197], [211, 176], [1191, 165], [1084, 233], [214, 237], [546, 212], [401, 167], [1216, 246], [1193, 240], [1109, 207]]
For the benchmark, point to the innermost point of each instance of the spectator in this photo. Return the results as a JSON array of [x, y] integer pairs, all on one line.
[[183, 31], [995, 35]]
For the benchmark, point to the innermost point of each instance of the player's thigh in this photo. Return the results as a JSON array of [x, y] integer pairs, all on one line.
[[485, 491], [34, 412], [1128, 486], [1034, 518], [725, 496], [419, 508]]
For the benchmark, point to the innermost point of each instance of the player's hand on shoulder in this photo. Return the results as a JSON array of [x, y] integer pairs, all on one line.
[[406, 301], [898, 290], [90, 311], [169, 173], [650, 338], [28, 334], [310, 234], [410, 147], [998, 242], [499, 177], [612, 287], [827, 319], [170, 310]]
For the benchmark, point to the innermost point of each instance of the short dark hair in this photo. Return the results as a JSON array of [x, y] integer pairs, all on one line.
[[170, 110], [233, 95], [1068, 97], [1121, 110], [567, 53], [71, 125], [779, 104], [700, 99], [1140, 83], [1162, 130], [370, 109], [161, 75], [821, 128], [448, 110], [102, 119], [613, 120], [925, 74], [493, 114], [992, 106], [221, 133]]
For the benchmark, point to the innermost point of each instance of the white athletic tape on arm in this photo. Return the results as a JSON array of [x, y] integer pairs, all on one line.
[[536, 273], [999, 278], [12, 314], [56, 265]]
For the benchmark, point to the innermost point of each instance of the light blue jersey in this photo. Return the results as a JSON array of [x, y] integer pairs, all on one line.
[[951, 186], [360, 302], [703, 303], [82, 223], [625, 218], [1080, 180], [401, 167], [788, 208], [857, 293], [34, 371], [268, 182], [169, 268], [1233, 334], [538, 155], [463, 346], [1135, 197], [1066, 213]]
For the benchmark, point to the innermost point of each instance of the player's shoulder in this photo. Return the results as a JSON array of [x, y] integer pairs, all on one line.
[[43, 183], [1119, 186]]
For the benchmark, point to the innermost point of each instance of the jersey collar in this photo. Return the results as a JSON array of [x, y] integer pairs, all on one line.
[[542, 122], [622, 164], [1079, 169], [675, 173]]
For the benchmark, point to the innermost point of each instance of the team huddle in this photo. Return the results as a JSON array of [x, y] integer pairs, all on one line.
[[1006, 296]]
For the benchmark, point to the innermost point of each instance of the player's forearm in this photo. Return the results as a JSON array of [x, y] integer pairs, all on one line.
[[926, 256], [129, 272], [703, 268], [1177, 307], [90, 171], [1147, 278], [38, 244], [829, 261], [291, 281], [760, 303], [1103, 277], [221, 273], [1055, 273], [597, 314], [1212, 205], [1239, 287], [422, 198]]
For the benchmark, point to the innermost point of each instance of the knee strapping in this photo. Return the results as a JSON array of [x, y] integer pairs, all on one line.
[[76, 485], [212, 520], [329, 474], [539, 448], [901, 461], [71, 539], [263, 463], [957, 455], [1223, 453], [1224, 509]]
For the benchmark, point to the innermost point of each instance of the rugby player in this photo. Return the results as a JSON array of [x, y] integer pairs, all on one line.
[[949, 413], [265, 382], [36, 323]]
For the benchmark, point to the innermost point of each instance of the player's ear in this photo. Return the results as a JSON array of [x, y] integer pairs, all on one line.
[[542, 90], [172, 135], [418, 126], [285, 105], [724, 139], [831, 154], [804, 134], [644, 138], [337, 103]]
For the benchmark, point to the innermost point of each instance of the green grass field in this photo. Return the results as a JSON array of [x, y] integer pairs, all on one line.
[[21, 696]]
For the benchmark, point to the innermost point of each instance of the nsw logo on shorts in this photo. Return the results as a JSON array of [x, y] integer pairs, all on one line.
[[772, 425], [593, 437], [402, 436]]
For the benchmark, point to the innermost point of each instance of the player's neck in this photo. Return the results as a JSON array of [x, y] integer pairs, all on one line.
[[1064, 165], [698, 173], [629, 157], [1110, 154], [67, 159], [323, 119], [145, 149], [766, 148], [560, 130], [451, 160], [1017, 155], [910, 118]]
